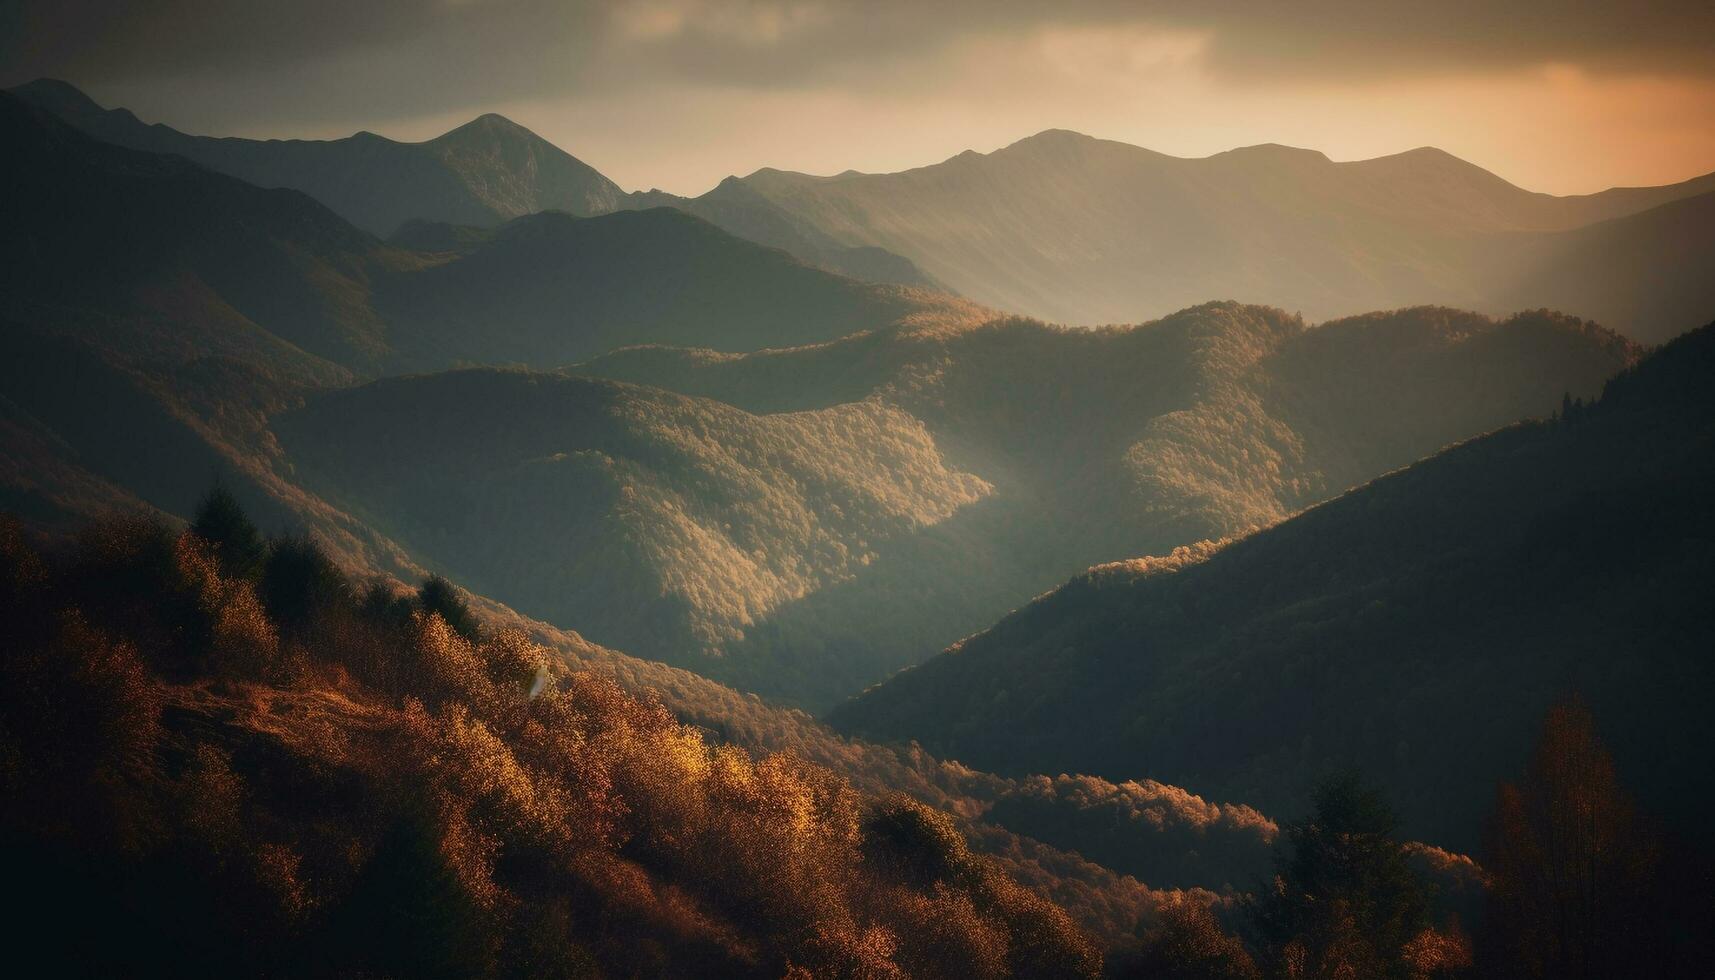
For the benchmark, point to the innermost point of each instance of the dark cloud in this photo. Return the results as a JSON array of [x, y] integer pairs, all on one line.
[[794, 41], [247, 65]]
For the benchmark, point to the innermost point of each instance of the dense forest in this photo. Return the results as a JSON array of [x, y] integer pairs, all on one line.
[[1430, 618], [230, 757]]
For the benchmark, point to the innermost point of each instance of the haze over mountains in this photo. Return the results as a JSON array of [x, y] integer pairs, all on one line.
[[141, 235], [481, 174], [1066, 227], [671, 426], [902, 487], [1082, 230]]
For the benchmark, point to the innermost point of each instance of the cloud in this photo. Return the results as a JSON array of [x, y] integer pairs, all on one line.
[[677, 93], [605, 43]]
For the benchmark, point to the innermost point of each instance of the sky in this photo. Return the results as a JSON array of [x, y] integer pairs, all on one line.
[[1564, 96]]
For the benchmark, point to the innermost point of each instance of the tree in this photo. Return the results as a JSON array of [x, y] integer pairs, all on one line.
[[1189, 944], [1344, 902], [1571, 863], [222, 522], [300, 582], [438, 595]]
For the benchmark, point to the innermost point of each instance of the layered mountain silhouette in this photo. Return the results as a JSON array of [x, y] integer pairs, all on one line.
[[1061, 226], [898, 470], [484, 173], [821, 516], [1416, 627], [1082, 230], [145, 238]]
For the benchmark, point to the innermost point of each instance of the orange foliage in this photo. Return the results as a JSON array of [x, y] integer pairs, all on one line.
[[386, 796]]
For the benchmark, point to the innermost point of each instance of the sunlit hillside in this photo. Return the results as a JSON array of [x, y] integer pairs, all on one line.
[[230, 758], [1101, 445]]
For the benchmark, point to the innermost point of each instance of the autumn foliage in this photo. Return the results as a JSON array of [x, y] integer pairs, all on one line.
[[231, 766]]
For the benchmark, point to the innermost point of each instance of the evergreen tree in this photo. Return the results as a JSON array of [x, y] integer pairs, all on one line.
[[300, 582], [438, 595], [222, 522], [1344, 902]]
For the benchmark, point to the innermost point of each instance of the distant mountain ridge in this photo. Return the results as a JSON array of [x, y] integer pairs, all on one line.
[[483, 173], [129, 233], [486, 171], [1063, 226], [1082, 230]]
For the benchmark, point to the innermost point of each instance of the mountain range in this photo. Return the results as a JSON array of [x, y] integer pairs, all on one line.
[[1082, 230], [140, 235], [1428, 620], [1062, 226], [482, 174], [668, 425]]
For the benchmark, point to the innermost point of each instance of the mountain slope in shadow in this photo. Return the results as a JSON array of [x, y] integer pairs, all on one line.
[[1004, 457], [1416, 627]]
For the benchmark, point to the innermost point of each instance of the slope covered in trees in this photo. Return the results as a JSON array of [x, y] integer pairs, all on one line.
[[1081, 230], [1103, 444], [227, 760], [1416, 627]]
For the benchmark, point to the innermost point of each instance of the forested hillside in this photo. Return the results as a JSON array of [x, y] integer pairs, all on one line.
[[233, 761], [1099, 445], [1416, 627]]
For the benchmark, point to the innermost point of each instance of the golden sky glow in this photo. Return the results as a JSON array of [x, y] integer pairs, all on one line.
[[1559, 97]]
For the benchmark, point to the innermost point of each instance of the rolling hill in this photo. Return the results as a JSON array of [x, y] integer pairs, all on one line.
[[1082, 230], [818, 517], [1416, 627], [550, 289]]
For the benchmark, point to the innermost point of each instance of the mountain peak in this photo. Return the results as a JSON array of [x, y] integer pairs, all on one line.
[[59, 97], [1273, 153], [1058, 135], [1050, 138], [489, 125]]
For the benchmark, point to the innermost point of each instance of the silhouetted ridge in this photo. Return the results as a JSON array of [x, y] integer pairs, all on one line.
[[482, 173], [1087, 231]]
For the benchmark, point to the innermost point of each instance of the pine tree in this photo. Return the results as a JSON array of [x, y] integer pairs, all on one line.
[[1344, 900], [238, 544]]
